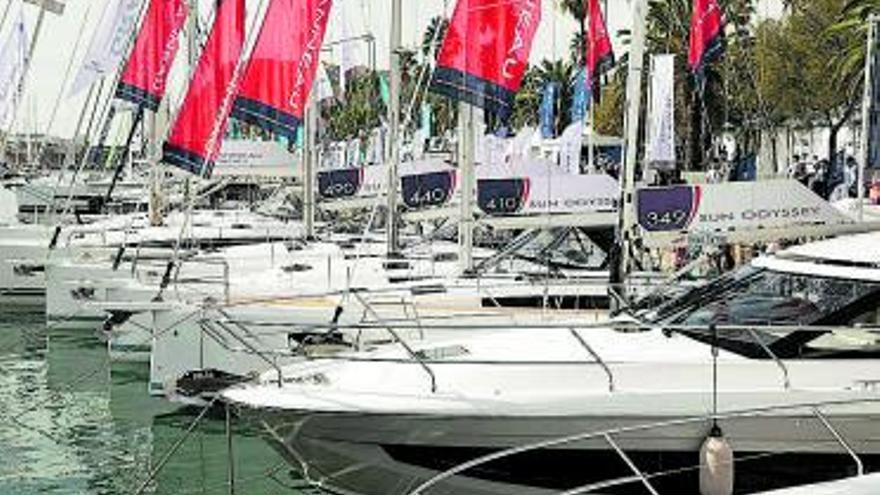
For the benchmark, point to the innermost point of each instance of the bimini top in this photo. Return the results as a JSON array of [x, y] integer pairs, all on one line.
[[853, 256]]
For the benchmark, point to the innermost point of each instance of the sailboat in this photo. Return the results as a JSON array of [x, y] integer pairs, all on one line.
[[392, 418]]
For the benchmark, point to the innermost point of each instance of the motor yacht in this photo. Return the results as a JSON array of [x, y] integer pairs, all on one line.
[[791, 329]]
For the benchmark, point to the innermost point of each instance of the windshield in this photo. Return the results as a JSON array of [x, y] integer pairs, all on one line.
[[756, 296]]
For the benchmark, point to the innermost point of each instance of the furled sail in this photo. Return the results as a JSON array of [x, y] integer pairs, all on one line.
[[145, 74], [278, 78], [198, 129], [485, 52]]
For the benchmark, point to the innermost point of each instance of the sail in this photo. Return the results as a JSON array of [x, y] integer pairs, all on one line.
[[600, 55], [706, 35], [278, 79], [145, 74], [198, 130], [485, 52], [109, 44]]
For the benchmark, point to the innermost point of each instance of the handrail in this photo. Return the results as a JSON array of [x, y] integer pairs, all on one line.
[[860, 468], [409, 350], [207, 323], [578, 437], [785, 380], [541, 325], [596, 356]]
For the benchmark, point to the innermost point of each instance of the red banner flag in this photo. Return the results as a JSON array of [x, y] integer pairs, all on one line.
[[146, 71], [201, 122], [485, 53], [600, 54], [279, 75], [707, 35]]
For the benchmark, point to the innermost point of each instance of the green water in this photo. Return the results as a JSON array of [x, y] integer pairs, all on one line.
[[72, 422]]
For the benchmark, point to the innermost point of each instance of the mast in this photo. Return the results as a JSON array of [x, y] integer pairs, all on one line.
[[24, 72], [394, 87], [631, 124], [468, 186], [867, 108], [309, 164]]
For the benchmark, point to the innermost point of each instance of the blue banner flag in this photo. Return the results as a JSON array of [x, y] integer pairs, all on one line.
[[548, 110], [580, 104]]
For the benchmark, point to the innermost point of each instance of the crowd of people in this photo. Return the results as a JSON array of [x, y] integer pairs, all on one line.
[[832, 181]]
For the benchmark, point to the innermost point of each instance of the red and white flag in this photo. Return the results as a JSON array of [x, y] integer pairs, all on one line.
[[200, 124], [485, 53], [279, 76]]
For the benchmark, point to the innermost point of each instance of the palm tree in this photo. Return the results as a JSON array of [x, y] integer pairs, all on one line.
[[849, 65], [433, 36], [578, 10]]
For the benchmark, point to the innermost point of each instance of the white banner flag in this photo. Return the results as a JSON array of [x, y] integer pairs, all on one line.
[[350, 49], [661, 119], [570, 147], [12, 62], [109, 44]]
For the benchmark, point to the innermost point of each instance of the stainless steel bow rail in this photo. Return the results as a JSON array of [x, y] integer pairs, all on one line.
[[395, 328], [638, 476]]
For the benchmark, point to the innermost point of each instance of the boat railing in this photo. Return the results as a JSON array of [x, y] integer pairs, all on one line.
[[612, 437], [397, 338], [786, 381], [208, 326], [580, 334], [580, 339]]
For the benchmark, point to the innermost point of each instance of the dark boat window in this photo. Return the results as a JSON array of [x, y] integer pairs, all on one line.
[[445, 257], [296, 268], [396, 265], [764, 297]]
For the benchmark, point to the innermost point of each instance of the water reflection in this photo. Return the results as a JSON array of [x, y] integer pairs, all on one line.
[[73, 422]]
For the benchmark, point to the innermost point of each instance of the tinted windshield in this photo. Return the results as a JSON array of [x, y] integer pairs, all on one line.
[[753, 296]]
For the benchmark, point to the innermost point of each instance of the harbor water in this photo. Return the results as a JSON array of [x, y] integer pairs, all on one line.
[[73, 422]]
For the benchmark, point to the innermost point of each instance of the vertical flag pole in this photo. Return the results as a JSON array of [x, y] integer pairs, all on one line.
[[591, 152], [394, 126], [588, 83], [309, 162], [633, 109], [468, 186], [866, 115]]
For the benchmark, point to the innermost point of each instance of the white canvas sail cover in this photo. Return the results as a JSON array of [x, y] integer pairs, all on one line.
[[661, 116], [731, 210], [109, 44]]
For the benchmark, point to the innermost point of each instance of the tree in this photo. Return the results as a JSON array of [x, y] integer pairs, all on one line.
[[578, 10], [433, 36], [802, 66]]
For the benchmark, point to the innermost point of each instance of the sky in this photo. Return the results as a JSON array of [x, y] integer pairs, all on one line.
[[63, 41]]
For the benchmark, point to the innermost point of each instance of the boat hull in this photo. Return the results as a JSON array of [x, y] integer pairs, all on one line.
[[392, 454]]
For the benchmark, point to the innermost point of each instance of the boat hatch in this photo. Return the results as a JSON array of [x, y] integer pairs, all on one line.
[[441, 353]]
